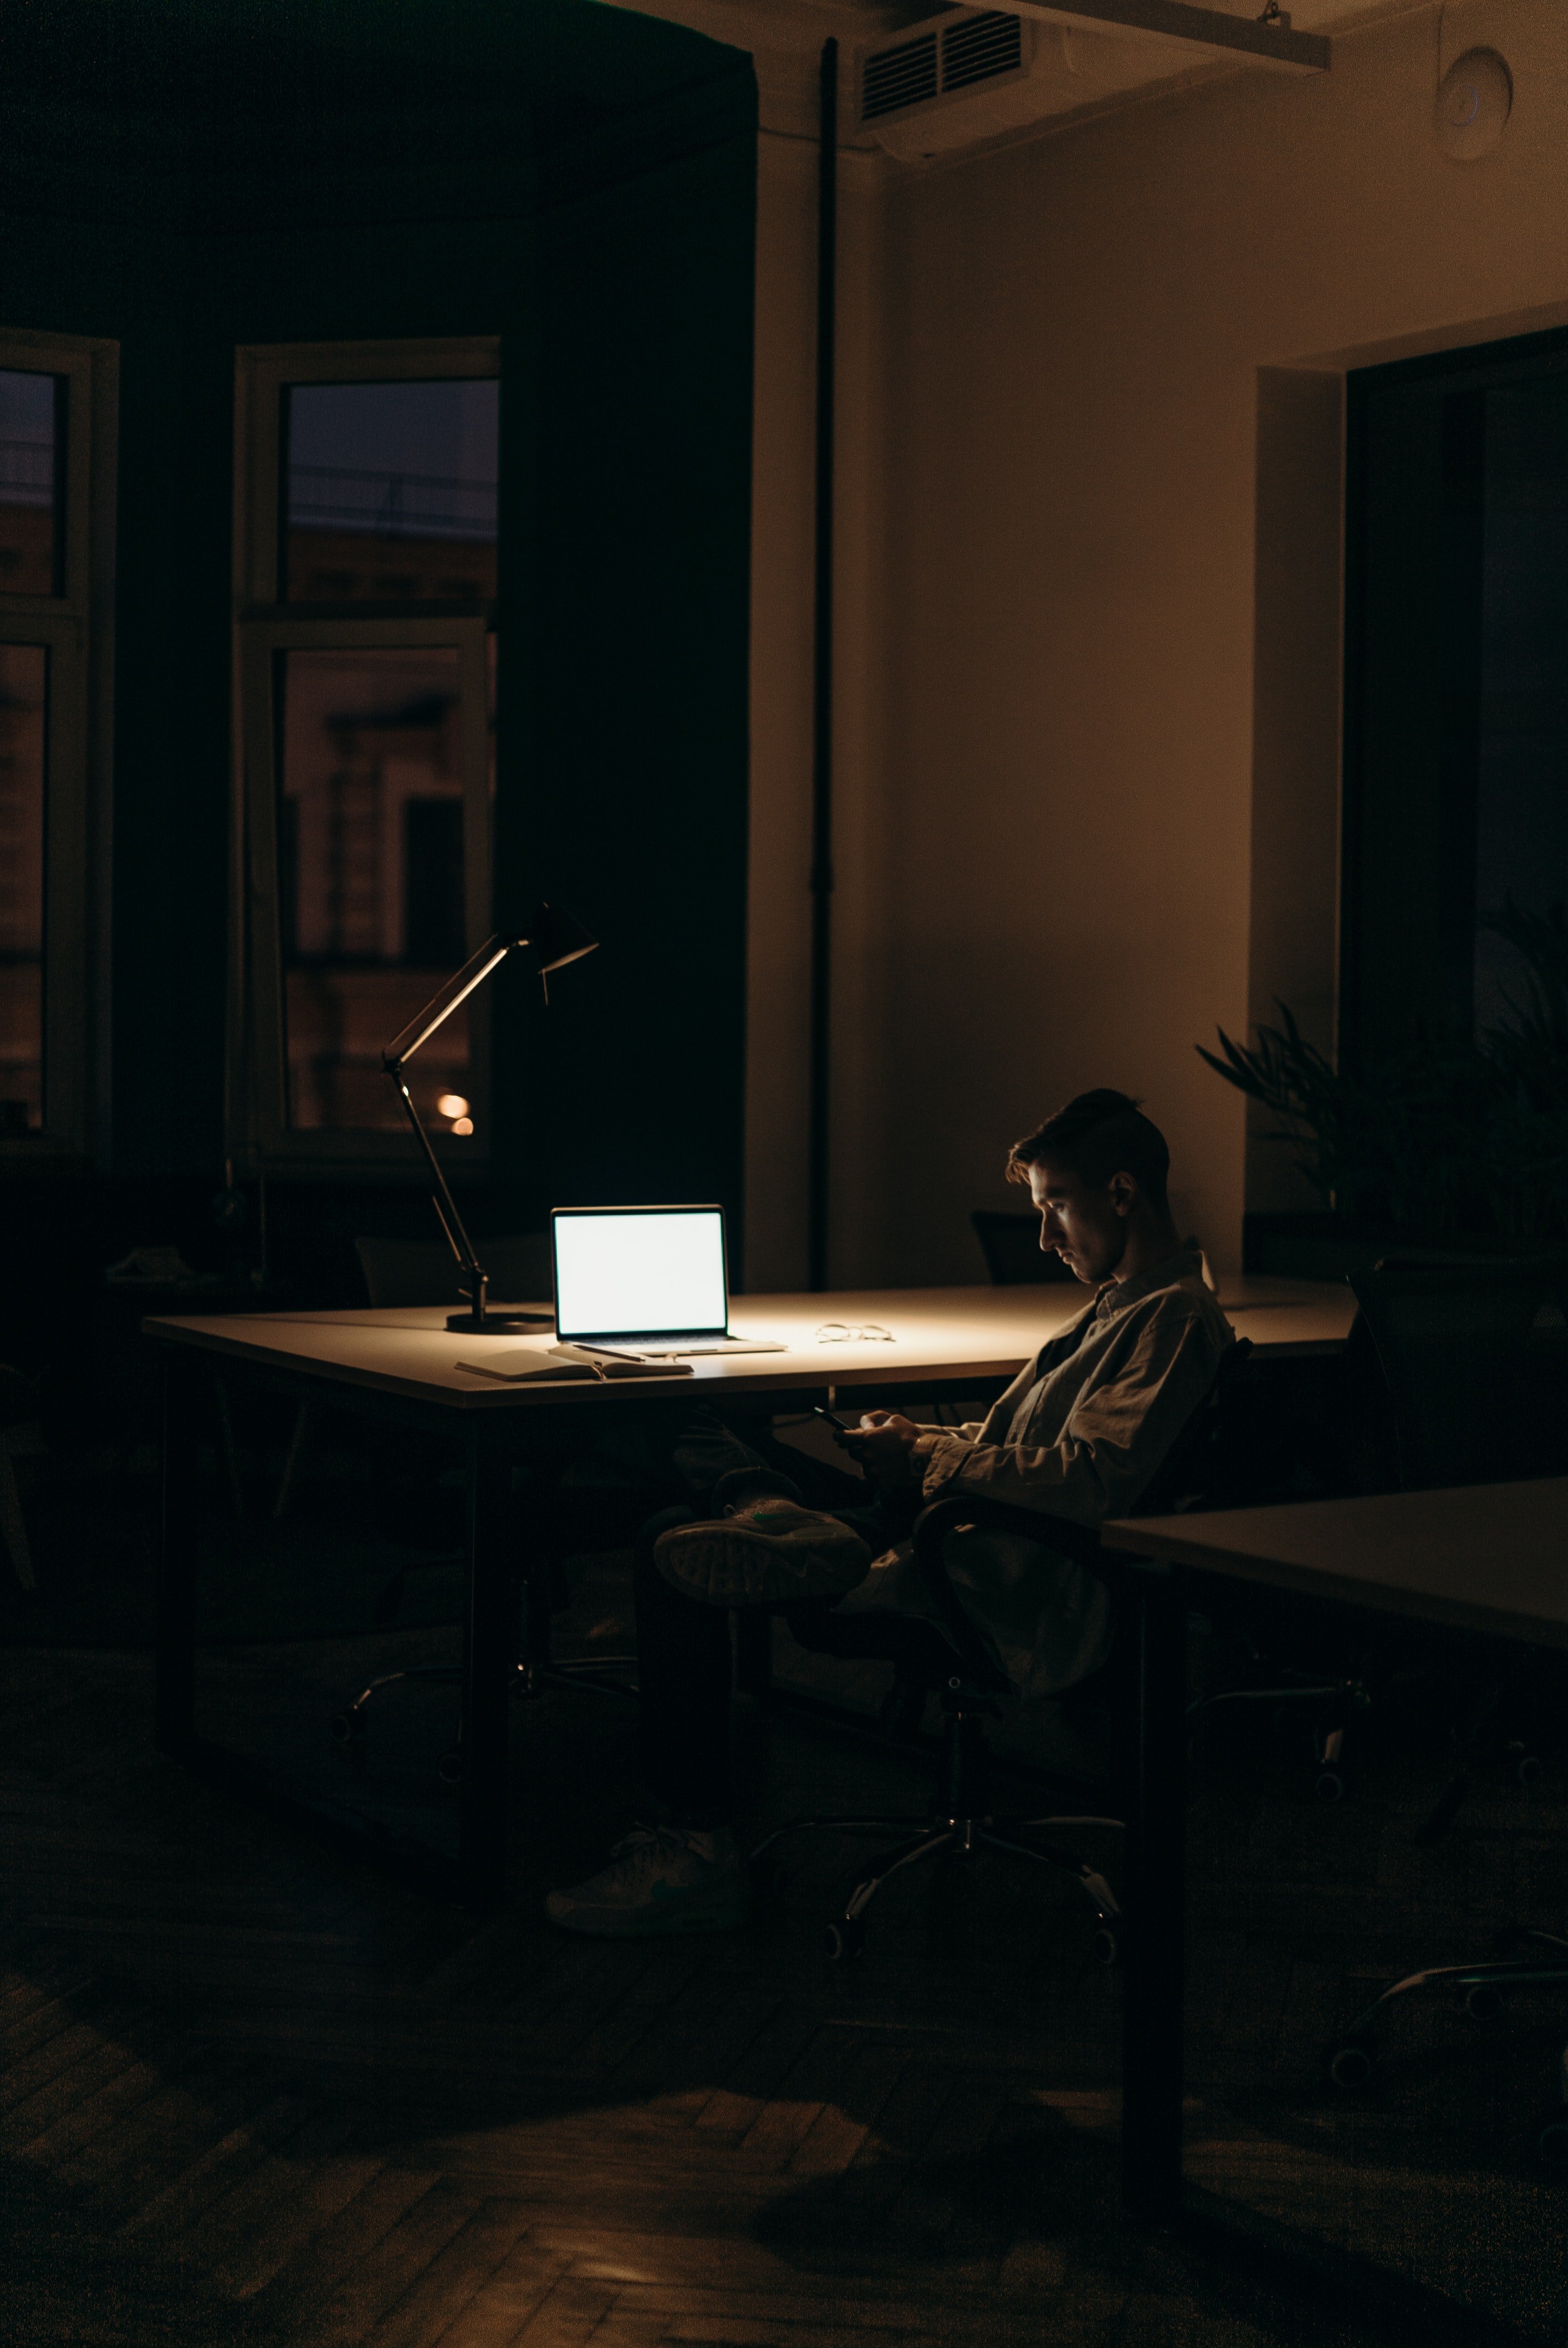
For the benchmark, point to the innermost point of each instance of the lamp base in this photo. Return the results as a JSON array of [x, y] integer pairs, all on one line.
[[498, 1324]]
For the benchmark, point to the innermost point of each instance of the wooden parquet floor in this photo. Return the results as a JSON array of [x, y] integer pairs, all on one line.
[[254, 2093]]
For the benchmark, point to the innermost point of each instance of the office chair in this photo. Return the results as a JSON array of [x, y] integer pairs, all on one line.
[[1010, 1246], [953, 1659], [535, 1666], [423, 1272], [1448, 1342], [1539, 1960], [1454, 1343], [420, 1272]]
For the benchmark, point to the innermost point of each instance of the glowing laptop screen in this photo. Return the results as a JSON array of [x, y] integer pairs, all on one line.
[[639, 1272]]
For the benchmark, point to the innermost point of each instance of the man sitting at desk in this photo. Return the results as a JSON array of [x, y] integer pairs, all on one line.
[[1079, 1434]]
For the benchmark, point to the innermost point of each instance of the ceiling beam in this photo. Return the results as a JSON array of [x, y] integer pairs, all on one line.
[[1235, 39]]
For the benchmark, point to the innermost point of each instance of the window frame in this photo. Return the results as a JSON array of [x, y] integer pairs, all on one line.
[[260, 1137], [1375, 1014], [75, 630]]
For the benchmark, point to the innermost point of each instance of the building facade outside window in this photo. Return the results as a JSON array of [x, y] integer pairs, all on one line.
[[56, 504], [366, 584]]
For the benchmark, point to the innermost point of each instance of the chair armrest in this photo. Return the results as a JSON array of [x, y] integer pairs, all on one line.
[[945, 1515]]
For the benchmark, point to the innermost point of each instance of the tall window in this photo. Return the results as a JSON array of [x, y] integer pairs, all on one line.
[[57, 418], [367, 580], [24, 737], [1457, 672]]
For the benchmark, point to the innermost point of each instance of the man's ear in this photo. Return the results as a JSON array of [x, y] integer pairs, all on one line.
[[1124, 1189]]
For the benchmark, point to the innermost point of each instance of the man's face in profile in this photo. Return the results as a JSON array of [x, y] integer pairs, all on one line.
[[1085, 1222]]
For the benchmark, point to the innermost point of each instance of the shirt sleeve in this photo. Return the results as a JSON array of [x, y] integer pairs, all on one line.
[[1116, 1435]]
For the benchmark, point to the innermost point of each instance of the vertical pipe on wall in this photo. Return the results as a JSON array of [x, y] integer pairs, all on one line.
[[822, 678]]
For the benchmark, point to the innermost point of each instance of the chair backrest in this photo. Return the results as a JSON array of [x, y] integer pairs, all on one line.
[[1010, 1246], [1208, 1465], [1453, 1343], [423, 1272]]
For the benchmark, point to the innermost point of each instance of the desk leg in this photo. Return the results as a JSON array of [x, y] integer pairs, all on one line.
[[754, 1651], [175, 1704], [1152, 2046], [488, 1669]]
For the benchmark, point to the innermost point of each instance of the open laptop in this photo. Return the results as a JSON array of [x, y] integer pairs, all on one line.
[[645, 1280]]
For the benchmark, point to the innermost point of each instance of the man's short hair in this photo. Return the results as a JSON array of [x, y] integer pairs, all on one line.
[[1098, 1135]]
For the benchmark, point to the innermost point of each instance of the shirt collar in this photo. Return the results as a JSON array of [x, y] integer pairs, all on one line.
[[1115, 1295]]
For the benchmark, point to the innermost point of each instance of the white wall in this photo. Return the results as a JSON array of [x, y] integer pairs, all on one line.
[[1072, 835], [1064, 823]]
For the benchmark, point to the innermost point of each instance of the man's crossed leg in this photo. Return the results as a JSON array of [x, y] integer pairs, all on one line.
[[767, 1526]]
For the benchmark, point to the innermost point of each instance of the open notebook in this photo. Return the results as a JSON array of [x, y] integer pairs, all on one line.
[[520, 1364]]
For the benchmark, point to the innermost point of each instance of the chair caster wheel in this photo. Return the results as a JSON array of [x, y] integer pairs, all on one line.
[[348, 1731], [449, 1768], [1481, 2002], [1349, 2065], [1552, 2143], [1529, 1772], [1330, 1786], [1107, 1948], [846, 1939]]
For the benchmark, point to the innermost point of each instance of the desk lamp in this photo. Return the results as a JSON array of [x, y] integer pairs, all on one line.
[[553, 938]]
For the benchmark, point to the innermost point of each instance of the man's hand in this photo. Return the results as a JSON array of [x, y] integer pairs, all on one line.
[[882, 1443]]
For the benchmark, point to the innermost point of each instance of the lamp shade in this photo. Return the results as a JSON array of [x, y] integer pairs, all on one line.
[[555, 937]]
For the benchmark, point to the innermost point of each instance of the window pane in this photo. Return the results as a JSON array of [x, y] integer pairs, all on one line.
[[24, 701], [1521, 750], [30, 407], [390, 491], [370, 880]]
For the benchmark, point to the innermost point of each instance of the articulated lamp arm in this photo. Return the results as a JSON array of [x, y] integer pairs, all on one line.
[[553, 938]]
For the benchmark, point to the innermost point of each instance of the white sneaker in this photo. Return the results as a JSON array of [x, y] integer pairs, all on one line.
[[659, 1880], [765, 1552]]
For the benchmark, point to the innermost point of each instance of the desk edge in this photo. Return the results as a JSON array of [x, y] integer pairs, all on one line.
[[1125, 1535]]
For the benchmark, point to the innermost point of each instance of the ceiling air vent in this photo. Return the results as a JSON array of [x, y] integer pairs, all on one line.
[[973, 74], [980, 49], [892, 78], [962, 80]]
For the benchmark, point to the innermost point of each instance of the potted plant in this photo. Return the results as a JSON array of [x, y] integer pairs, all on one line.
[[1458, 1138]]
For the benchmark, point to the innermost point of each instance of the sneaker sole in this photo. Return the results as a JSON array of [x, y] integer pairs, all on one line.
[[726, 1567]]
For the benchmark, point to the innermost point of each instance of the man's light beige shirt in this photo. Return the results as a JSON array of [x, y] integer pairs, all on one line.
[[1079, 1434]]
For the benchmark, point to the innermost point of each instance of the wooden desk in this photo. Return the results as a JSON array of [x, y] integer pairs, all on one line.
[[939, 1334], [1491, 1559], [403, 1364]]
